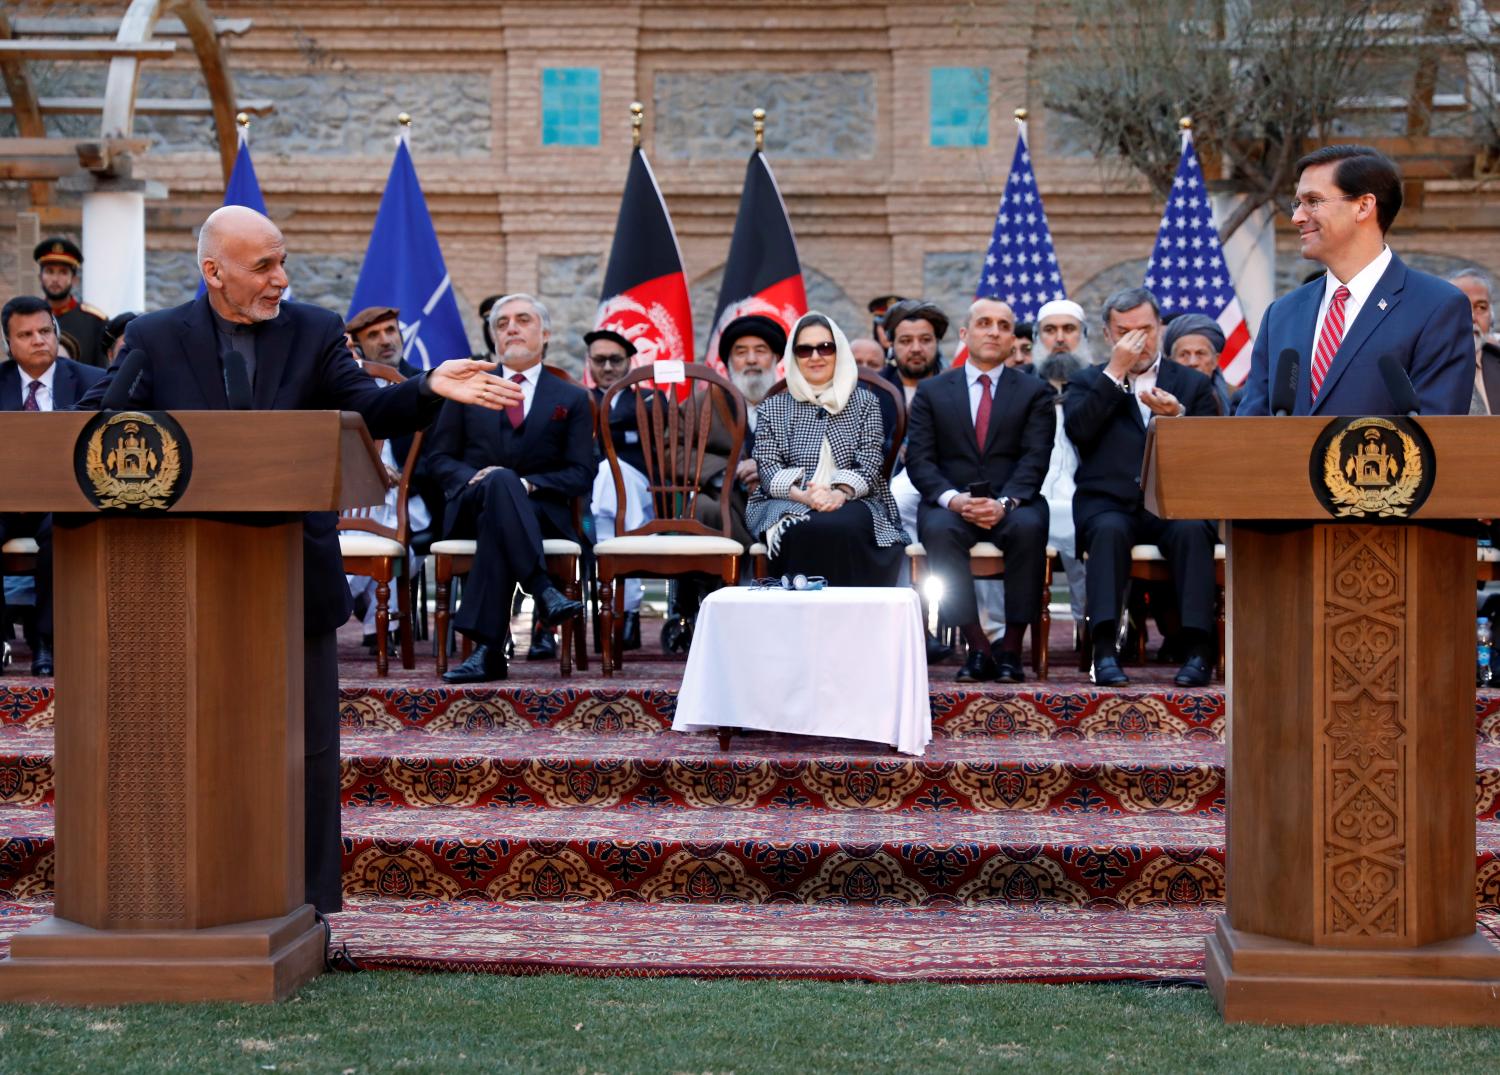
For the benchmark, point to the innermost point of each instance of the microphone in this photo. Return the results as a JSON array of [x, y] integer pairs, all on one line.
[[123, 385], [236, 381], [1398, 385], [1284, 383]]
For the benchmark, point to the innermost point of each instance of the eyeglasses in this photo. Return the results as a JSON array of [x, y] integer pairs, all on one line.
[[610, 360], [807, 350], [1312, 205]]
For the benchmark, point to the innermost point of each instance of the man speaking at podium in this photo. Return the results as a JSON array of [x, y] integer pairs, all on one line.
[[239, 346], [1368, 304]]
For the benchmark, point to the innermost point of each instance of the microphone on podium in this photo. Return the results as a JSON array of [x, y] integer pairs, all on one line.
[[1284, 383], [123, 385], [1398, 385], [236, 381]]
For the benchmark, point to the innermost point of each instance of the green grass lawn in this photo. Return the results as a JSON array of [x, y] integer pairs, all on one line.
[[378, 1022]]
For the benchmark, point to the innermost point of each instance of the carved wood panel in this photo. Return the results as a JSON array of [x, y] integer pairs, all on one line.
[[147, 692], [1362, 746]]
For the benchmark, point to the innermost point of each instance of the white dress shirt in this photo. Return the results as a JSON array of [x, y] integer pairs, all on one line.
[[1140, 383], [972, 373], [44, 393], [1359, 287], [528, 385]]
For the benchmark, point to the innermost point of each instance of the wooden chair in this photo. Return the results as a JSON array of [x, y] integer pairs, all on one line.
[[760, 556], [1147, 564], [455, 556], [18, 556], [381, 552], [674, 432]]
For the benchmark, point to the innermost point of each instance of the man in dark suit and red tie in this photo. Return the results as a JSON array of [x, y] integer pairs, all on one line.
[[977, 448], [1368, 303], [510, 479], [36, 378]]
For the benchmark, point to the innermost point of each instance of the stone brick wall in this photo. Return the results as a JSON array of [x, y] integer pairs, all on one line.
[[875, 207]]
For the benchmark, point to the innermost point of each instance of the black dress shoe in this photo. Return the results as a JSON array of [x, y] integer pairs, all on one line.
[[979, 668], [937, 653], [553, 607], [630, 636], [1008, 668], [1193, 673], [41, 660], [486, 663], [543, 647], [1108, 673]]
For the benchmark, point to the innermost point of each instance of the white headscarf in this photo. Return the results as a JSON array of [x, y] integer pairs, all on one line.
[[835, 394], [832, 396]]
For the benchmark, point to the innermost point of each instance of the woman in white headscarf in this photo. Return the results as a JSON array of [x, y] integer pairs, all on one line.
[[822, 505]]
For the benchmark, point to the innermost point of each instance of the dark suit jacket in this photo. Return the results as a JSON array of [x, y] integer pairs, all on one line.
[[1426, 324], [553, 450], [1489, 365], [302, 364], [942, 452], [624, 429], [68, 384], [1105, 425]]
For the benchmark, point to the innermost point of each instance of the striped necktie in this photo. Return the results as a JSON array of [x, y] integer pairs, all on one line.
[[1329, 339]]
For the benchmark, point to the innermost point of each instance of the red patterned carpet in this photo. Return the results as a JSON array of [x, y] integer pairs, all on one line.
[[1052, 832]]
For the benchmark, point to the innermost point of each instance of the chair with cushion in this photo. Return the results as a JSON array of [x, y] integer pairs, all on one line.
[[378, 551], [1148, 564], [453, 557], [759, 555], [674, 430]]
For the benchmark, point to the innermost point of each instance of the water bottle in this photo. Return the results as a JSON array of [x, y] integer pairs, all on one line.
[[1485, 674]]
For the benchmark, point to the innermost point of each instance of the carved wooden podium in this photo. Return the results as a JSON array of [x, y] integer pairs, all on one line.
[[179, 861], [1351, 753]]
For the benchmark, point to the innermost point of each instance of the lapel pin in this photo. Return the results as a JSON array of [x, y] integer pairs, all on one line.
[[1381, 304]]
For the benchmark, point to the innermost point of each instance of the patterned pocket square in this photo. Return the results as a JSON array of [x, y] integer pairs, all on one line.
[[559, 413]]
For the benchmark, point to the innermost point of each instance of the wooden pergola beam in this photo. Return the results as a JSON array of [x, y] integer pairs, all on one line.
[[36, 49], [95, 27], [144, 106]]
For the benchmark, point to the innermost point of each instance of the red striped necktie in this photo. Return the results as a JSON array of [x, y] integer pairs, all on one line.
[[1329, 339]]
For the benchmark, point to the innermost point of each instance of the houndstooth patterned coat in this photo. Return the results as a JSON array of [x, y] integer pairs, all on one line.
[[788, 437]]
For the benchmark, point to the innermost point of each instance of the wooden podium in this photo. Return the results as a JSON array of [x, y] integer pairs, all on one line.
[[1351, 752], [179, 847]]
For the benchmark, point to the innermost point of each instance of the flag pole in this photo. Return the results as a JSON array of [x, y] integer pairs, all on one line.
[[243, 121], [759, 118], [404, 122], [1185, 125], [1021, 115], [637, 117]]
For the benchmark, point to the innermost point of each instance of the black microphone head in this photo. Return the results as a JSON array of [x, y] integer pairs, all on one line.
[[236, 381], [1398, 385], [1284, 382], [122, 386]]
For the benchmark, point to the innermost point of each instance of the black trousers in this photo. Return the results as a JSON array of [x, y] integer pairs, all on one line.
[[1188, 545], [497, 511], [38, 527], [322, 846], [840, 545], [1022, 537]]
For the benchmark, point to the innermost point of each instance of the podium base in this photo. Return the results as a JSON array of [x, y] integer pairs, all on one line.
[[1260, 979], [62, 962]]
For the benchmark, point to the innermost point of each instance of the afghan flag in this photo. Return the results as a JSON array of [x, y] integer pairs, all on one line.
[[762, 275], [645, 295]]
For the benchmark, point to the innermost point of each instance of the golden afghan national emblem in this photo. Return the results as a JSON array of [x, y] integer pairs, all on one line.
[[134, 461], [1374, 468]]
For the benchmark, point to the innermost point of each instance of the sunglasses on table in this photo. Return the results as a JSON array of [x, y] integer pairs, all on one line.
[[807, 350]]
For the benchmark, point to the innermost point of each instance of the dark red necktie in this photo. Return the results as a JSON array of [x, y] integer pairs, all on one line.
[[517, 413], [1329, 339], [30, 403], [982, 415]]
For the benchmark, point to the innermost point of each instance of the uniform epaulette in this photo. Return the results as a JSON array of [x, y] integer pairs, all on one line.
[[93, 311]]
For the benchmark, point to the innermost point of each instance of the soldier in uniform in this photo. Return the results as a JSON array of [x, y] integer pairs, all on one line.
[[60, 259]]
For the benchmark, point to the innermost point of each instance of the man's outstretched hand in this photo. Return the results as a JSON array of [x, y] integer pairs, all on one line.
[[468, 381]]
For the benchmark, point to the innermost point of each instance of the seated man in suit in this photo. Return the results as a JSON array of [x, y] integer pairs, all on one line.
[[610, 354], [510, 478], [1366, 305], [977, 447], [37, 379], [1106, 410]]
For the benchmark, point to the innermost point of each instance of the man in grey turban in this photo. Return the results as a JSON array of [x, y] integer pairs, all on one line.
[[1194, 340]]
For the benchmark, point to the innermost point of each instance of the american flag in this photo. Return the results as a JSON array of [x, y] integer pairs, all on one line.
[[1187, 273], [1020, 266]]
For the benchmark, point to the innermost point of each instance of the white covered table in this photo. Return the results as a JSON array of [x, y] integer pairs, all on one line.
[[846, 661]]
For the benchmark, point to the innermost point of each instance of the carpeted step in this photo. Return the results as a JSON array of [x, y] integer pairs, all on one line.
[[549, 769], [768, 856]]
